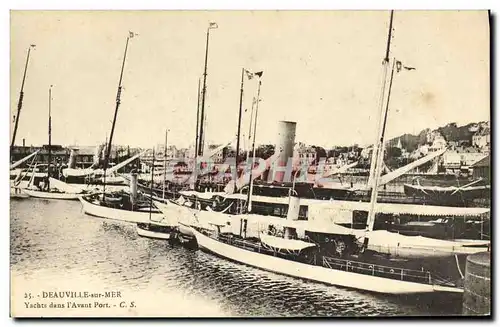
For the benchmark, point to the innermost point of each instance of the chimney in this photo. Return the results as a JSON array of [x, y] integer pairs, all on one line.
[[284, 148], [133, 187]]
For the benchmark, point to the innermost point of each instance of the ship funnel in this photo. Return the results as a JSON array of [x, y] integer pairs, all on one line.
[[72, 159], [133, 187], [285, 142]]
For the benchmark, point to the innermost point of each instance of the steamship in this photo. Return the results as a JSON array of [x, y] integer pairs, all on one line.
[[323, 251]]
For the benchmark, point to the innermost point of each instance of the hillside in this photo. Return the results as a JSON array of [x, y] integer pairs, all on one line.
[[451, 132]]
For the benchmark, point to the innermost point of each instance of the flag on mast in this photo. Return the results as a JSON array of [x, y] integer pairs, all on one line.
[[132, 34], [213, 25], [251, 75], [399, 66]]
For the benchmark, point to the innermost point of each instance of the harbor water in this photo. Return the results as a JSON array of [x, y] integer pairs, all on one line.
[[56, 247]]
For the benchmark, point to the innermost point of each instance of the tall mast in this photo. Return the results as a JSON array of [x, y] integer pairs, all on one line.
[[376, 179], [165, 163], [250, 190], [118, 94], [389, 37], [239, 130], [204, 90], [385, 68], [151, 188], [50, 139], [247, 146], [378, 147], [21, 96], [197, 121]]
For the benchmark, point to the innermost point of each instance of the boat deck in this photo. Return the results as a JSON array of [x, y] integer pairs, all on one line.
[[349, 265]]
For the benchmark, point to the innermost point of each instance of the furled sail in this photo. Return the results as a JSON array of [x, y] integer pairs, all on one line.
[[418, 246], [403, 170], [115, 168], [340, 170], [284, 244], [89, 171], [19, 162], [64, 187]]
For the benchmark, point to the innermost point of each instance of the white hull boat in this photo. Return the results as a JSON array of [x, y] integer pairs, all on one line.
[[94, 209], [317, 273], [152, 234], [163, 228]]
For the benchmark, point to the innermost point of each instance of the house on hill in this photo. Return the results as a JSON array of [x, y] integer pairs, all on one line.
[[481, 169], [481, 138]]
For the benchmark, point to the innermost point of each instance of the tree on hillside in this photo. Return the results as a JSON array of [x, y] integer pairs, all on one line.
[[264, 151], [393, 152]]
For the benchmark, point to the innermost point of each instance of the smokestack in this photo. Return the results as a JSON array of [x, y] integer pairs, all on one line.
[[133, 188], [284, 147], [72, 159], [24, 143]]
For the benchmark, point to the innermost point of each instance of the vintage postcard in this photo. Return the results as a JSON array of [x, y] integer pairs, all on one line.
[[250, 163]]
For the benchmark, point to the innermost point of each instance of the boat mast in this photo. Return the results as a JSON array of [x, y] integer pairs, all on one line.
[[239, 130], [21, 96], [151, 187], [195, 157], [197, 121], [250, 190], [380, 153], [385, 68], [50, 139], [204, 90], [378, 167], [165, 162], [247, 145], [118, 94]]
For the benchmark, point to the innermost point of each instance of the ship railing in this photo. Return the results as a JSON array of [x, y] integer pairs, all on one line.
[[252, 246], [378, 270]]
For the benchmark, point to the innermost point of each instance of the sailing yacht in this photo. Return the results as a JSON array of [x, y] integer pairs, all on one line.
[[52, 188], [129, 206]]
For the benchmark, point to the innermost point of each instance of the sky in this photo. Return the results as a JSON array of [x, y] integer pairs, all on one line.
[[322, 69]]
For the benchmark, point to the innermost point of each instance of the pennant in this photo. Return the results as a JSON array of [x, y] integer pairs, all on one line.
[[132, 34], [213, 25], [249, 74], [400, 66]]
